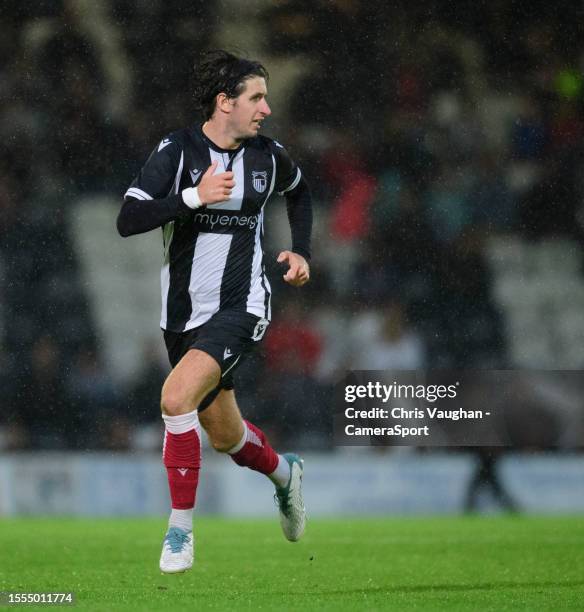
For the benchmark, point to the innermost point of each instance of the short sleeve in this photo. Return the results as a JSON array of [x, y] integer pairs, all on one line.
[[159, 174], [288, 174]]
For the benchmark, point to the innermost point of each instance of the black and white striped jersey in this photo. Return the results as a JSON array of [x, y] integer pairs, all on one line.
[[213, 258]]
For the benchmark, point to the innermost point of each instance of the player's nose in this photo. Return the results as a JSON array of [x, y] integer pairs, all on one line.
[[265, 109]]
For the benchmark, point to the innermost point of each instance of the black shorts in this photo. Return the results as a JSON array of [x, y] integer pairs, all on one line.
[[228, 336]]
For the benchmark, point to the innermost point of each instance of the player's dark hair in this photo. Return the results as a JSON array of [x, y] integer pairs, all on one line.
[[222, 72]]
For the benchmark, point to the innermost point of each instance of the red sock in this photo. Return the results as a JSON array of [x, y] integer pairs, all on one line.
[[182, 458], [256, 452]]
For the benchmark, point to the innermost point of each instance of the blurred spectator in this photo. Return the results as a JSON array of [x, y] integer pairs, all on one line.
[[13, 432], [529, 134], [143, 399], [96, 404], [293, 348], [350, 214], [396, 347], [468, 327], [292, 345], [490, 200], [402, 247], [447, 203], [486, 478], [42, 406]]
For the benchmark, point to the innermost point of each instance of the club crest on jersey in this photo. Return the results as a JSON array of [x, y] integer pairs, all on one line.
[[260, 180]]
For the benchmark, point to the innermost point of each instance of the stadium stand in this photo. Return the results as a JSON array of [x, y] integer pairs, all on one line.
[[464, 134]]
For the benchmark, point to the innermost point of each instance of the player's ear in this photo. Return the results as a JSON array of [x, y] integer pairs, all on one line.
[[223, 103]]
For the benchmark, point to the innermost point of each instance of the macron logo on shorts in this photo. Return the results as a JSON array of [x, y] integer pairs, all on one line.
[[227, 353]]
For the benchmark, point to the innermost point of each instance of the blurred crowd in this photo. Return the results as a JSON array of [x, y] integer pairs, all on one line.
[[423, 132]]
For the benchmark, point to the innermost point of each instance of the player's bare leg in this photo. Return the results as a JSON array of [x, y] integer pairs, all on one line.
[[194, 376], [189, 382], [223, 422], [249, 447]]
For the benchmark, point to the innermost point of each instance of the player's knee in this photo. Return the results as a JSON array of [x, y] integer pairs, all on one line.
[[221, 445], [216, 435], [173, 404]]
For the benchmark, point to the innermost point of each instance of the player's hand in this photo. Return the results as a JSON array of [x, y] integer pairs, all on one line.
[[298, 272], [215, 188]]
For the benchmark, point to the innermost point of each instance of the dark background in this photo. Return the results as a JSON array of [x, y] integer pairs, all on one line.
[[443, 143]]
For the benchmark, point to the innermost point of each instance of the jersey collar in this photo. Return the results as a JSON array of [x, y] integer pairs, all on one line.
[[215, 147]]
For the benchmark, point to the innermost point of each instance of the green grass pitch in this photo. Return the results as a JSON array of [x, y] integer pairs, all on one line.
[[507, 563]]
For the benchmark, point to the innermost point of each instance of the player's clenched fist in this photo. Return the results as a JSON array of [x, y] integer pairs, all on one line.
[[212, 189], [215, 188]]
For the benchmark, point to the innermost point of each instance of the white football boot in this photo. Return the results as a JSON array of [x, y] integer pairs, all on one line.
[[290, 502], [177, 551]]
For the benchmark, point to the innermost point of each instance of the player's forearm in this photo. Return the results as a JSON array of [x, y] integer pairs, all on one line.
[[139, 216], [299, 206]]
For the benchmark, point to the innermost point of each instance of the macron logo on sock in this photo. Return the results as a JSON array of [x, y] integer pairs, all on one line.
[[253, 438], [183, 471]]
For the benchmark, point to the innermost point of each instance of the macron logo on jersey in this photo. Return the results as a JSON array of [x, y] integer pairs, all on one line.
[[164, 143], [195, 174]]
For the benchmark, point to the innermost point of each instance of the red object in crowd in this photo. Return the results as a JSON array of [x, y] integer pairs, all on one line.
[[567, 132], [291, 348], [350, 216]]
